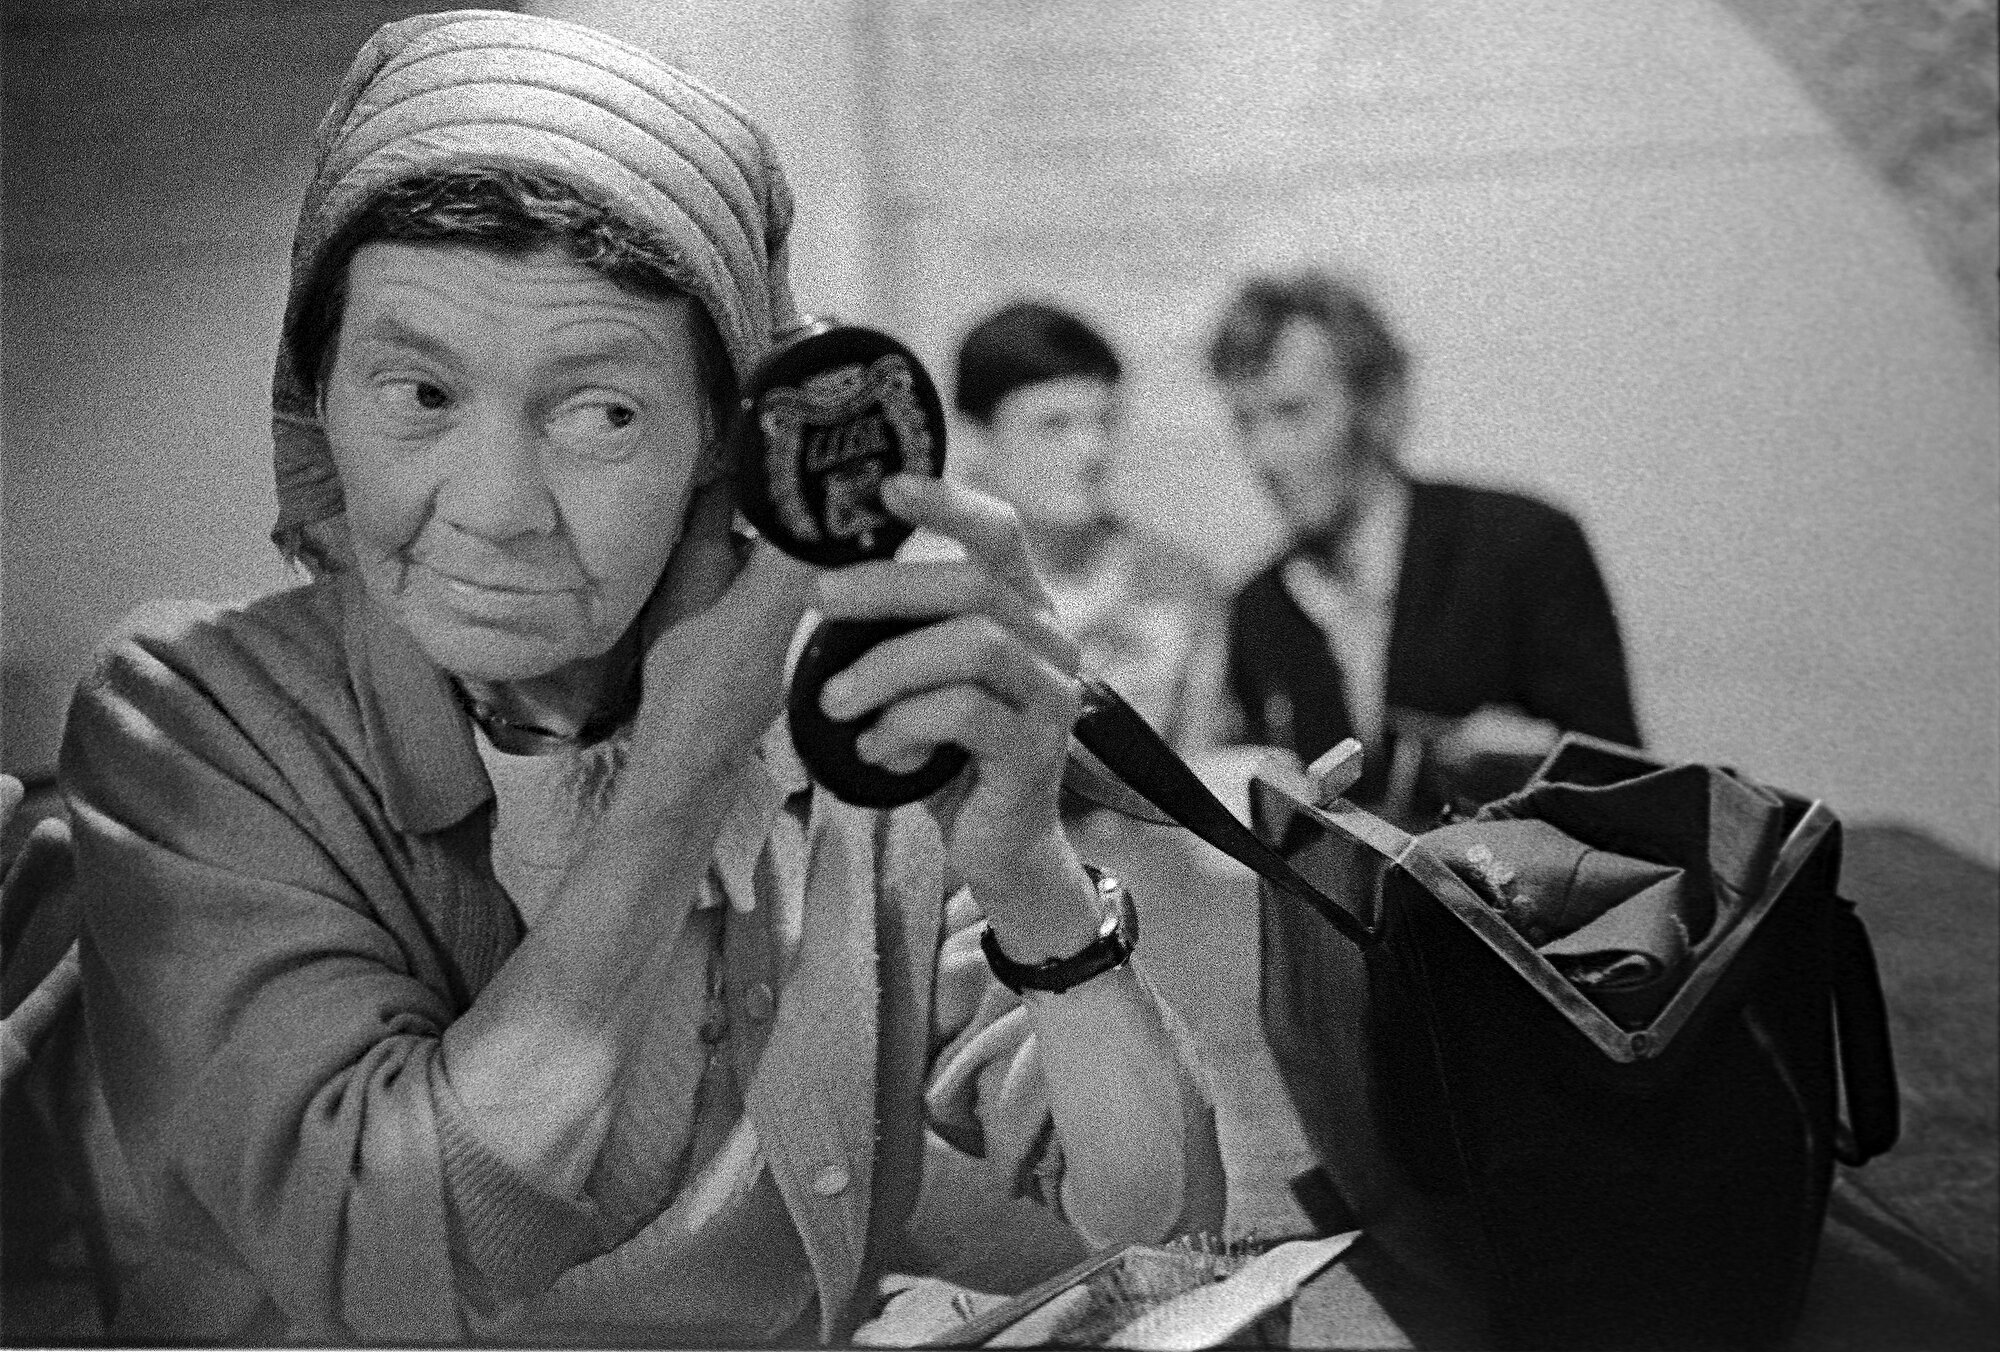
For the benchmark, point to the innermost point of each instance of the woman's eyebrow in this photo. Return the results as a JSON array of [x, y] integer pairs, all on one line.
[[626, 353], [598, 344], [385, 328], [596, 341]]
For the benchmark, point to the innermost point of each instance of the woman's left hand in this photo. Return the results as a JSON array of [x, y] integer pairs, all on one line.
[[997, 676], [993, 674]]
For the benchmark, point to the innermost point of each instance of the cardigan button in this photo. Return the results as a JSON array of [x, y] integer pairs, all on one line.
[[830, 1181]]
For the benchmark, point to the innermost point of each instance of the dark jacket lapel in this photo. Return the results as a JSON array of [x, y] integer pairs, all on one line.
[[1419, 636]]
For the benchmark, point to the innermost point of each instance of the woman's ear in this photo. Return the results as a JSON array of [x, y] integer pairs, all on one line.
[[714, 463]]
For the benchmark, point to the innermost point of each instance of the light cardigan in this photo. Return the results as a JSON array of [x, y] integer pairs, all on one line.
[[741, 1274], [286, 897]]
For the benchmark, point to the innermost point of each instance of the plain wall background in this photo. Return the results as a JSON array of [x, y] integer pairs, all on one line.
[[154, 155], [1640, 271]]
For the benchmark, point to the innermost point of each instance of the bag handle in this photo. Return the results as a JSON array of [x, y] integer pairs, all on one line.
[[1871, 1102], [1126, 743]]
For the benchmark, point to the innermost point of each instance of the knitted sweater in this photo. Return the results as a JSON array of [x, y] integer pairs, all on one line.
[[287, 897]]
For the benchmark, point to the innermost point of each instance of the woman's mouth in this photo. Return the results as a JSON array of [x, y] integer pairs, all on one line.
[[472, 587], [511, 601]]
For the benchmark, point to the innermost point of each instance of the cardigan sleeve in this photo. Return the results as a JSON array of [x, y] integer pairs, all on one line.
[[267, 1053], [987, 1096], [267, 991]]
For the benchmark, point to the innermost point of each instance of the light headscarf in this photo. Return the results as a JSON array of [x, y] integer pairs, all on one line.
[[488, 88]]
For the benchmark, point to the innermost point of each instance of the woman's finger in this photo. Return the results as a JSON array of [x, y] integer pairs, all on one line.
[[968, 716], [719, 625], [747, 628], [989, 529], [950, 587], [906, 734], [973, 650]]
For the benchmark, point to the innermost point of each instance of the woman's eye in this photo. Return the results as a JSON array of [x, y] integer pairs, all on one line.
[[602, 428], [416, 396]]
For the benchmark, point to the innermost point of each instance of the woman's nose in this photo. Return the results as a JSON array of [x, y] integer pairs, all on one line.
[[496, 486]]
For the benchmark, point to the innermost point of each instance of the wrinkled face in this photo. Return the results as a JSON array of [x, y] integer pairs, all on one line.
[[1050, 447], [1305, 435], [516, 439]]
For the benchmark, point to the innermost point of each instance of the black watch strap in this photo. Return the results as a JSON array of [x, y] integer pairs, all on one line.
[[1109, 949]]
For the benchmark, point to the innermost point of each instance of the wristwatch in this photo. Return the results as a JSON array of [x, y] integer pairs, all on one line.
[[1110, 949]]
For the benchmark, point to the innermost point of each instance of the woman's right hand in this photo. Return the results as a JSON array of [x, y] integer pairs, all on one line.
[[716, 634]]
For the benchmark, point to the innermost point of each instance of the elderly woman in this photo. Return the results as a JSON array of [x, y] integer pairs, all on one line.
[[467, 957]]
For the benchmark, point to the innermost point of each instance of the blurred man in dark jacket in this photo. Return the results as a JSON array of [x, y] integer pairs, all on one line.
[[1456, 631]]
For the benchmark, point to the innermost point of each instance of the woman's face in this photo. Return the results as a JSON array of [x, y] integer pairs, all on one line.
[[1049, 449], [516, 439]]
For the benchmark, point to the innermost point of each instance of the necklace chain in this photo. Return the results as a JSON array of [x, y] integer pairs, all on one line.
[[503, 730]]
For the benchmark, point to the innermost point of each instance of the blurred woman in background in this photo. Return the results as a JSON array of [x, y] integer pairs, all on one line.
[[1043, 392]]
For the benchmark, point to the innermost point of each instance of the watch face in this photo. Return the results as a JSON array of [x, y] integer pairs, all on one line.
[[830, 414]]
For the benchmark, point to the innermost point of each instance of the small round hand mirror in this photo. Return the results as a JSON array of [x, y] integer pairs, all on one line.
[[833, 411]]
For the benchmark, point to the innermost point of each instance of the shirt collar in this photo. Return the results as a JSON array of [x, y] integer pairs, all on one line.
[[1370, 551], [1375, 552]]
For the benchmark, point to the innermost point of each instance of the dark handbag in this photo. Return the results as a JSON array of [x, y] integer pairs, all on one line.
[[1556, 1157], [1561, 1179]]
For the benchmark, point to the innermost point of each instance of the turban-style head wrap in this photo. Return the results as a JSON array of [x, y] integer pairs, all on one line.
[[486, 88]]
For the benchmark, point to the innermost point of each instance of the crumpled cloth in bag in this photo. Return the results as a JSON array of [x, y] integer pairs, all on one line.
[[1625, 887]]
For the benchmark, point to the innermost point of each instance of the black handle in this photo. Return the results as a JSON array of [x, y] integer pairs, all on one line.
[[1127, 744], [826, 746], [1867, 1064]]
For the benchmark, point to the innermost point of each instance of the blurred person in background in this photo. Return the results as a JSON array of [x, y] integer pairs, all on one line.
[[1043, 392], [1456, 631]]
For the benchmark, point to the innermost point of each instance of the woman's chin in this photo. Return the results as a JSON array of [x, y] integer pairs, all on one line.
[[501, 657], [497, 638]]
